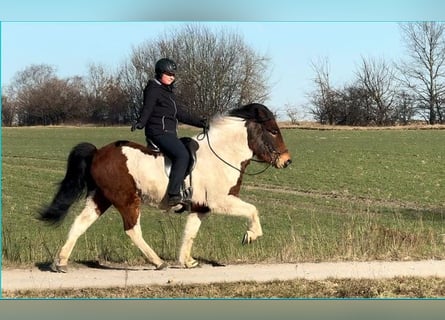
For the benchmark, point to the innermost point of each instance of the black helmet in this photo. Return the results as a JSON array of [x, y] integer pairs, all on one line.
[[165, 65]]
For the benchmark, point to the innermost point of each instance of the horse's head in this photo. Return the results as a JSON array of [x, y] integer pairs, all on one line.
[[263, 135]]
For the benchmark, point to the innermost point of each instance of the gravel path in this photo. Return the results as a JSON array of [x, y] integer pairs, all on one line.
[[84, 277]]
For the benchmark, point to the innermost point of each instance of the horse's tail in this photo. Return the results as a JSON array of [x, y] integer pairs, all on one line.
[[71, 188]]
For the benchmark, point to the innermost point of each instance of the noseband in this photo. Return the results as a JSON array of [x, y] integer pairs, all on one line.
[[275, 154]]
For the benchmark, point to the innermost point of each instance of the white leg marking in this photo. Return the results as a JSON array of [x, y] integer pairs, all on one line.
[[191, 229], [82, 222], [136, 236], [232, 205]]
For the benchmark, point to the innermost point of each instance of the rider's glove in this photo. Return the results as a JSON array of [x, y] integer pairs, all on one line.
[[136, 125]]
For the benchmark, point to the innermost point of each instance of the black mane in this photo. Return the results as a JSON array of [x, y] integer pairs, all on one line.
[[254, 111]]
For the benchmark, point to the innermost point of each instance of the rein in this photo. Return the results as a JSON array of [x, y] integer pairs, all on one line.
[[204, 134]]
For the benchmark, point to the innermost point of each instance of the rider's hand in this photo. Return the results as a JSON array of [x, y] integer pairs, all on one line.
[[136, 125], [204, 124]]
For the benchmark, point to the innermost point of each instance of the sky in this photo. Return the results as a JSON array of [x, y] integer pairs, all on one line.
[[291, 47], [70, 35]]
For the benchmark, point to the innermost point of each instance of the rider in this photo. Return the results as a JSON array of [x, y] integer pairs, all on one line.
[[160, 115]]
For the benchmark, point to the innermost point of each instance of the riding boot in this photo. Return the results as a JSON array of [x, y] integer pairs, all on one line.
[[174, 196], [174, 200]]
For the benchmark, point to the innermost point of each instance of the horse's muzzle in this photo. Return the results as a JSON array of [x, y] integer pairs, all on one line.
[[288, 162], [283, 161]]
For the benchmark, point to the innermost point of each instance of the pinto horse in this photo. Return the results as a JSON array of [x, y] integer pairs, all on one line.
[[123, 173]]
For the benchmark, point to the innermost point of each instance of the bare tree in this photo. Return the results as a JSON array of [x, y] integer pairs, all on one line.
[[8, 111], [378, 78], [136, 72], [37, 96], [216, 70], [354, 106], [32, 76], [76, 104], [350, 105], [31, 94], [373, 98], [108, 101], [323, 97], [53, 102], [292, 113], [405, 109], [424, 70]]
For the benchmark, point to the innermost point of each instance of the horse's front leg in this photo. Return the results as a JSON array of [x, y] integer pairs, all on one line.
[[232, 205], [191, 229]]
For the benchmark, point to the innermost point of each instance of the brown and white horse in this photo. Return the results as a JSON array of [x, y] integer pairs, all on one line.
[[123, 173]]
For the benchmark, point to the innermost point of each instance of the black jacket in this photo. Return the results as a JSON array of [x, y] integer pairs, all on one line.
[[161, 112]]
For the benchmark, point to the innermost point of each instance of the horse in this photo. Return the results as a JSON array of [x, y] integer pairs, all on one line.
[[126, 175]]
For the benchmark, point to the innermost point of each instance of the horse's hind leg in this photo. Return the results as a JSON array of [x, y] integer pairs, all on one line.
[[93, 209], [190, 231]]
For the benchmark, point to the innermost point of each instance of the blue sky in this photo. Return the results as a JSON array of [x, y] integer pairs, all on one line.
[[291, 46], [71, 34]]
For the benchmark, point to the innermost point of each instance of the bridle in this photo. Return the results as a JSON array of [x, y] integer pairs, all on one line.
[[204, 134]]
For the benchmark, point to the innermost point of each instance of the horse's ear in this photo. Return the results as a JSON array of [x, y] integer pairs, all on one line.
[[261, 113]]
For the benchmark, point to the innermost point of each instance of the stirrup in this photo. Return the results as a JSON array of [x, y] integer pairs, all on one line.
[[151, 145], [174, 201]]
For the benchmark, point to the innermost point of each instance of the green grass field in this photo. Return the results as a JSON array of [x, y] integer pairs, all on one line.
[[348, 195]]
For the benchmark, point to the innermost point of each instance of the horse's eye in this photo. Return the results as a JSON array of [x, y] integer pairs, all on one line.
[[273, 132]]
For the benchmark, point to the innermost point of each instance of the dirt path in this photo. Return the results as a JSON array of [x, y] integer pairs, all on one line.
[[106, 276]]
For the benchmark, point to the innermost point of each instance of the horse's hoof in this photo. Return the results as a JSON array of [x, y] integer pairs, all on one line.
[[59, 268], [192, 264], [246, 239], [162, 266]]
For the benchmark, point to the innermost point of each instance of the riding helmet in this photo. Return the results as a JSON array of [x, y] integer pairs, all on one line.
[[165, 65]]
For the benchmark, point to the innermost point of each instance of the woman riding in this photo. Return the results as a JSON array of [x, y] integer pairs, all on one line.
[[160, 115]]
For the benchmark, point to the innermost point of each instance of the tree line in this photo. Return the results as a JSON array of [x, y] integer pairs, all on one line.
[[385, 93], [219, 71]]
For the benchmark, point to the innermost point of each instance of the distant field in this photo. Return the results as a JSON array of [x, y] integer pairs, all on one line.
[[348, 195]]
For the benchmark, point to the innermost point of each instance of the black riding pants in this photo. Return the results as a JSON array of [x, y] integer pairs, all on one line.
[[173, 148]]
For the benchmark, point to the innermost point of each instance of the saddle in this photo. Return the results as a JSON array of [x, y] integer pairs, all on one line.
[[192, 146]]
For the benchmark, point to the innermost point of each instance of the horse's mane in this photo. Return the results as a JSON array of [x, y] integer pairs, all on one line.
[[254, 111], [251, 113]]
